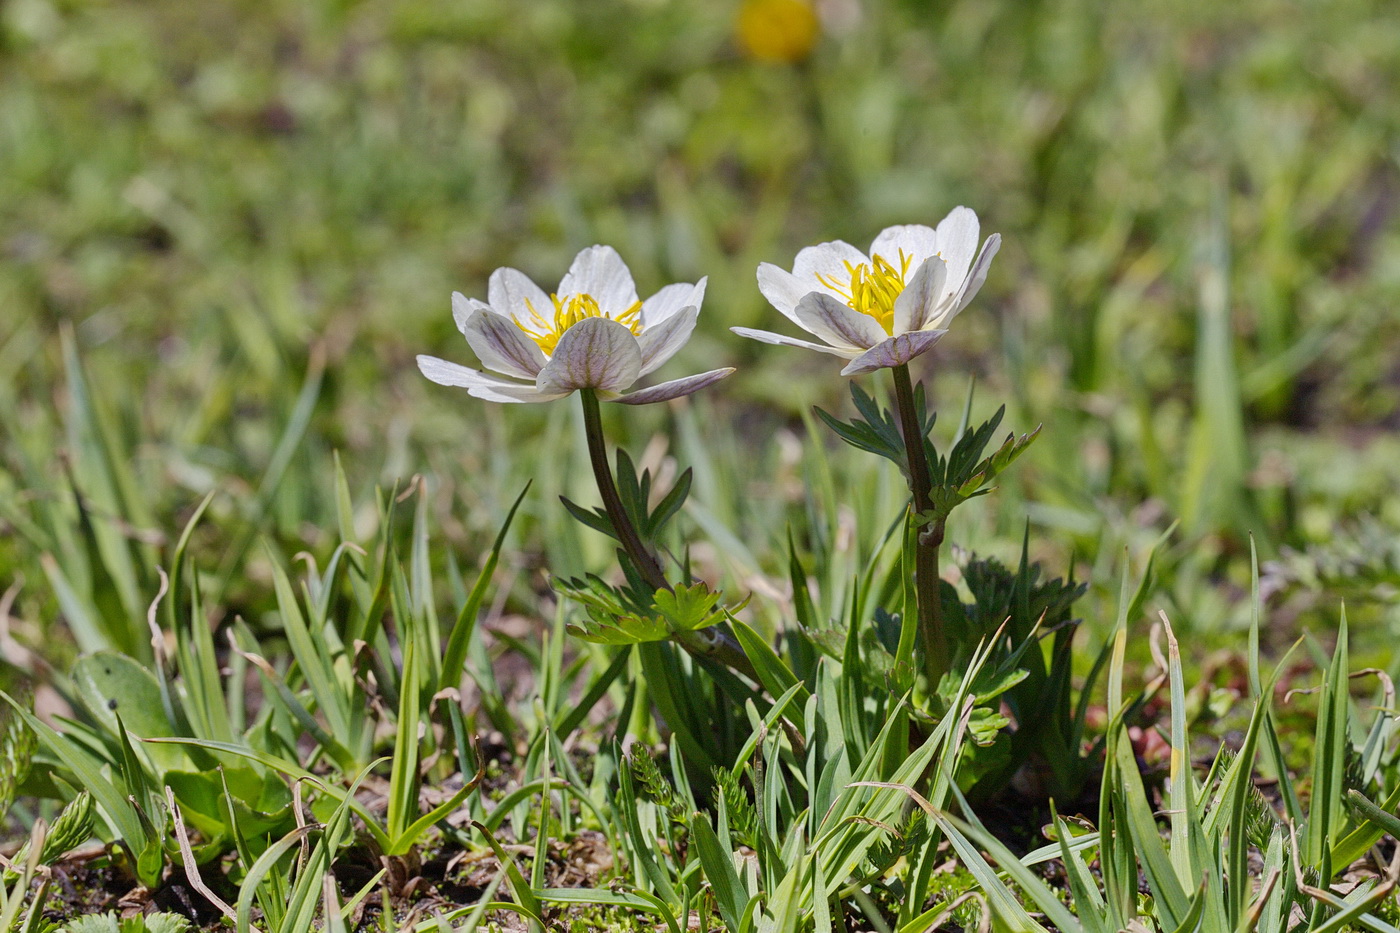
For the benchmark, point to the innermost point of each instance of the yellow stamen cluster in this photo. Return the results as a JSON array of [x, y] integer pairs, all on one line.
[[568, 312], [872, 289]]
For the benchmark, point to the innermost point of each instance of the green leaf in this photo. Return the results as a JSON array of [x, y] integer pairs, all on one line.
[[524, 894], [112, 685], [1331, 745], [1002, 900], [459, 639], [688, 608], [636, 900], [670, 504], [119, 810], [597, 519], [1376, 821], [718, 862], [261, 803], [772, 670]]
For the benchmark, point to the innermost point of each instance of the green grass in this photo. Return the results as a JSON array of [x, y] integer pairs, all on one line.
[[226, 230], [218, 204]]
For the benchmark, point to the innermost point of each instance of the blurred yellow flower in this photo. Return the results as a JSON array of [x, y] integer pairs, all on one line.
[[777, 30]]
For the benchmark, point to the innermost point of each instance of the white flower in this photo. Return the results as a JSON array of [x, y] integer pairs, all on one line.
[[884, 309], [593, 333]]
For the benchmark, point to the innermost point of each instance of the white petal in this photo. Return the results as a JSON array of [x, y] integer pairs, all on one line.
[[600, 272], [836, 323], [953, 305], [827, 260], [513, 394], [502, 346], [782, 289], [894, 351], [675, 388], [957, 242], [510, 292], [659, 343], [916, 241], [596, 353], [451, 374], [979, 270], [463, 308], [660, 307], [916, 304], [779, 340]]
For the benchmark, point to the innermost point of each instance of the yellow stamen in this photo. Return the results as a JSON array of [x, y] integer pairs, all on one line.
[[568, 312], [872, 289]]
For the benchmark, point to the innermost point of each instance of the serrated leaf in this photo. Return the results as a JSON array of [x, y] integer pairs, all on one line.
[[624, 630], [688, 608]]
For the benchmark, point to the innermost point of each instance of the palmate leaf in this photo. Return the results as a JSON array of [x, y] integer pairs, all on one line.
[[611, 622], [688, 608], [619, 630]]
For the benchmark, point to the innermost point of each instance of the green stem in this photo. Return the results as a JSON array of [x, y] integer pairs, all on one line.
[[926, 579], [713, 643], [642, 558]]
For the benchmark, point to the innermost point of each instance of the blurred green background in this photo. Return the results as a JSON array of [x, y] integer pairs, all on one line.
[[242, 220]]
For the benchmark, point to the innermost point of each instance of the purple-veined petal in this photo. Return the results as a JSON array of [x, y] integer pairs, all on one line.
[[826, 317], [915, 305], [658, 344], [957, 242], [764, 336], [675, 388], [659, 308], [978, 275], [782, 289], [600, 272], [463, 308], [502, 346], [894, 351], [445, 373], [510, 292], [512, 394], [952, 304], [916, 241], [596, 353]]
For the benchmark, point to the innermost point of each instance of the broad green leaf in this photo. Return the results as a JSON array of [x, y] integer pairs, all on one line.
[[113, 685]]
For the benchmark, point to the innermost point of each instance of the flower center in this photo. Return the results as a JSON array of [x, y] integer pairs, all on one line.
[[872, 289], [546, 331]]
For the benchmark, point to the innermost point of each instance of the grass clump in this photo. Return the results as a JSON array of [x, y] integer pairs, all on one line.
[[297, 641]]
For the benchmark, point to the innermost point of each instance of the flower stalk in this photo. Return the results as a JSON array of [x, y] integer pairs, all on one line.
[[641, 556], [932, 636], [712, 643]]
